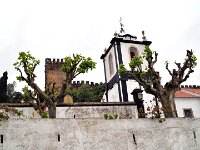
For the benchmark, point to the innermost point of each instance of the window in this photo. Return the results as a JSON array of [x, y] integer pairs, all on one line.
[[133, 52], [111, 64], [188, 113]]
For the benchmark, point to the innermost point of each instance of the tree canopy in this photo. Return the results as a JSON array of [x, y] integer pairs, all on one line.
[[73, 66], [78, 64], [86, 93], [150, 79]]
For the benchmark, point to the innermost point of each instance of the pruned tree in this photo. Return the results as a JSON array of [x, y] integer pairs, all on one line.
[[150, 79], [37, 102], [26, 65], [73, 66], [78, 64]]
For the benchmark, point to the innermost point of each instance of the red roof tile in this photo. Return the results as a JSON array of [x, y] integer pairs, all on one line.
[[197, 91], [183, 94], [187, 92]]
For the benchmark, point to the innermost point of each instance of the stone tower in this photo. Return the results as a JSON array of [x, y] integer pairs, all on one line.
[[53, 72], [122, 48]]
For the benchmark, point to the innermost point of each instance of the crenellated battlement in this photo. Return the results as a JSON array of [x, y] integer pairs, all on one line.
[[53, 61], [53, 64], [191, 86], [80, 83]]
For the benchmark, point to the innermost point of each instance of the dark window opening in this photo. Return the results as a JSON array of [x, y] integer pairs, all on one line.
[[1, 138], [132, 54], [188, 113], [58, 137]]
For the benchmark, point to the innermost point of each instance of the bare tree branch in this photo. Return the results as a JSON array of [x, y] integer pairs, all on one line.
[[188, 64], [147, 86], [186, 76], [167, 67], [21, 74], [178, 65], [156, 57]]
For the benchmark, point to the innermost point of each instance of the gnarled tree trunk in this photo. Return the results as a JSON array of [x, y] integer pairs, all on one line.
[[168, 103], [51, 110], [51, 105]]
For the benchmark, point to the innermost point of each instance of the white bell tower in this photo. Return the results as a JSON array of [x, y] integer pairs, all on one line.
[[123, 47]]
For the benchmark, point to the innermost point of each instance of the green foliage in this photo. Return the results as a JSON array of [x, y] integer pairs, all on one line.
[[83, 94], [78, 64], [19, 78], [122, 70], [109, 116], [6, 112], [105, 116], [86, 93], [13, 96], [143, 73], [17, 112], [115, 116], [16, 97], [194, 61], [136, 63], [11, 89], [147, 53], [26, 65], [26, 62], [43, 114], [85, 65], [26, 93]]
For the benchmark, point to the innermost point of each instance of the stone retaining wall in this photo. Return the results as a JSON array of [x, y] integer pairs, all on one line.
[[100, 134]]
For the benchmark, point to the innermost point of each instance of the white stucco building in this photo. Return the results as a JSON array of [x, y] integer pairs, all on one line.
[[118, 89], [188, 102], [121, 50]]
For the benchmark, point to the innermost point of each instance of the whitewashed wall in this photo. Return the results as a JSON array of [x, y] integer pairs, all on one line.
[[186, 103], [125, 48], [112, 52], [131, 85], [113, 94], [100, 134], [124, 111]]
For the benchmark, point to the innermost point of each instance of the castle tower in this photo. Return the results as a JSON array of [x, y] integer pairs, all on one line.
[[122, 48], [53, 72]]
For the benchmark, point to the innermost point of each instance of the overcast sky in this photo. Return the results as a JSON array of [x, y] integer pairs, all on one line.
[[56, 28]]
